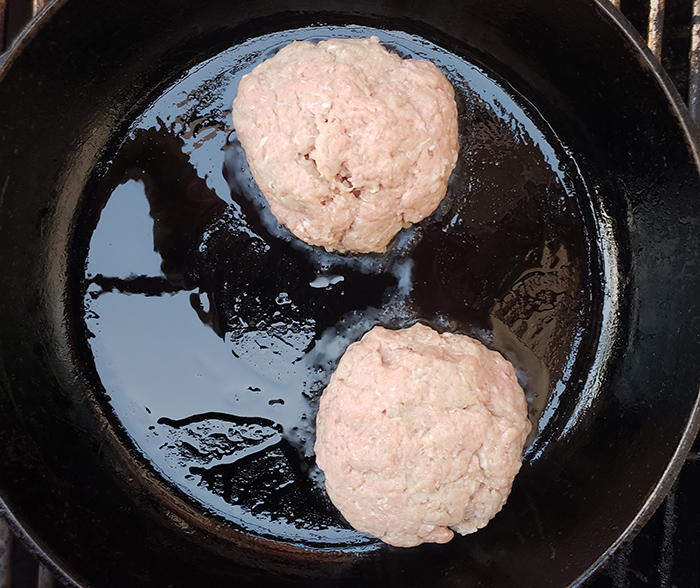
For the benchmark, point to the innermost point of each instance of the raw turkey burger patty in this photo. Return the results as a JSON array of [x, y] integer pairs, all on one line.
[[420, 434], [348, 142]]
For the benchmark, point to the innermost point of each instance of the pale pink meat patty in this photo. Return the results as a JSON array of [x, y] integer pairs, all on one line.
[[420, 434], [349, 143]]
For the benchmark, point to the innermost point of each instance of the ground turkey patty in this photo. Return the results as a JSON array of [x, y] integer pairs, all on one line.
[[419, 433], [348, 142]]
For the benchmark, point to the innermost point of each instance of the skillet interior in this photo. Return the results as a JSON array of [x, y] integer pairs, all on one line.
[[575, 498], [213, 349]]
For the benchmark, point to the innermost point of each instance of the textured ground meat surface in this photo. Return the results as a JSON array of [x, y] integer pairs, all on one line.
[[349, 143], [420, 434]]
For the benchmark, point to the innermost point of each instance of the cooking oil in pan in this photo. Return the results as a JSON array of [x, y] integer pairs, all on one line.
[[214, 330]]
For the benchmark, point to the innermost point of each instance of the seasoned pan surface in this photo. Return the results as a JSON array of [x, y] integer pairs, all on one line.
[[215, 368], [175, 338]]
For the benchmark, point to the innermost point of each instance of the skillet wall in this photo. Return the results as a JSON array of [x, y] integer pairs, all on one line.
[[65, 101]]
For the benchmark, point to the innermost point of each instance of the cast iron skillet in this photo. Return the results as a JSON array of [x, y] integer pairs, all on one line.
[[92, 509]]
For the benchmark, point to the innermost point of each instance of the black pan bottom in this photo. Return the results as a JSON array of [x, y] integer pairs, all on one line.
[[214, 331]]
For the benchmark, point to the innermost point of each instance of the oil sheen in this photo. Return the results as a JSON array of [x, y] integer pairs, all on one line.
[[214, 330]]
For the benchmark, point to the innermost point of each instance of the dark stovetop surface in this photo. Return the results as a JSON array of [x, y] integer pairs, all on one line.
[[666, 552]]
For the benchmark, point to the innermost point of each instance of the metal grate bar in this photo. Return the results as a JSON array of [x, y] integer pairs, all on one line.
[[694, 78], [5, 555], [655, 30], [3, 25], [14, 571], [38, 6], [45, 578]]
